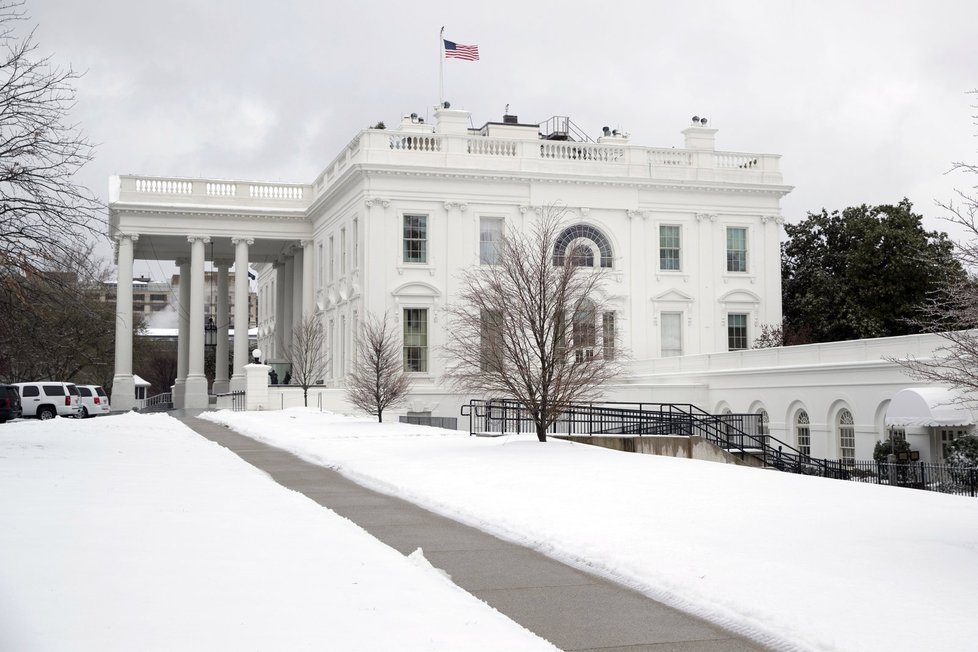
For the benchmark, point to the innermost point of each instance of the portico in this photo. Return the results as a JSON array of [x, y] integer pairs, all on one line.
[[192, 222]]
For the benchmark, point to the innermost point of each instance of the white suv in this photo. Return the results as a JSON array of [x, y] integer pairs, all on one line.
[[47, 399], [94, 400]]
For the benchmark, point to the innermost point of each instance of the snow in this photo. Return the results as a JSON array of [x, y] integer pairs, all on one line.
[[134, 533], [794, 562]]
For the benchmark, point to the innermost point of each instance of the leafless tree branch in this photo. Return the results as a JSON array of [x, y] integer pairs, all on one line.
[[377, 381], [307, 354], [534, 327]]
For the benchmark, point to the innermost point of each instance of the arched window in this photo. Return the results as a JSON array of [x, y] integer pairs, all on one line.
[[762, 424], [803, 433], [847, 436], [568, 244], [582, 256]]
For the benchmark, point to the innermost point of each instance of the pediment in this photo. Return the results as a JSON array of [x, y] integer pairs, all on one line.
[[416, 289], [739, 296], [673, 296]]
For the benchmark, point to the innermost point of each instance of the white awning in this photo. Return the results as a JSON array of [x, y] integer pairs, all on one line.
[[139, 382], [927, 406]]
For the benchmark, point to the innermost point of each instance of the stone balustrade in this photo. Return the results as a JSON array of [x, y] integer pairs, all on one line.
[[470, 152]]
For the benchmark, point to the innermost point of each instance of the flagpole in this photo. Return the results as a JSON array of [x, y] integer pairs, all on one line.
[[441, 67]]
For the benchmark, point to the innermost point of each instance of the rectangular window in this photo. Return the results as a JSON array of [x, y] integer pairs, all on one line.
[[671, 324], [492, 341], [343, 252], [736, 332], [415, 238], [583, 333], [490, 236], [343, 346], [416, 339], [736, 249], [356, 244], [322, 280], [669, 247], [332, 260], [331, 347], [608, 335]]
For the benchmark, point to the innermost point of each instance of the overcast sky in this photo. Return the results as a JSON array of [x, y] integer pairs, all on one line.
[[866, 101]]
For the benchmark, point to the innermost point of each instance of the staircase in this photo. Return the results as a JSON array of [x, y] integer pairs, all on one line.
[[739, 435], [158, 403]]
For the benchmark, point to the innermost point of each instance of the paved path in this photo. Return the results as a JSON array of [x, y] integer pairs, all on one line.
[[570, 608]]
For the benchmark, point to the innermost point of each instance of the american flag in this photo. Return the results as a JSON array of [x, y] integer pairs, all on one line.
[[458, 51]]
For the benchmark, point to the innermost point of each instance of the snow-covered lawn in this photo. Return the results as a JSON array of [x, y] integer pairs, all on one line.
[[134, 533], [800, 562]]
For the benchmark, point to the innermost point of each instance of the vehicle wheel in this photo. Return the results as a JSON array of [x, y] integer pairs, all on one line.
[[85, 413], [46, 413]]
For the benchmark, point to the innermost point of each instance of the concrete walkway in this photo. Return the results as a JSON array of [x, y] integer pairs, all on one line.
[[570, 608]]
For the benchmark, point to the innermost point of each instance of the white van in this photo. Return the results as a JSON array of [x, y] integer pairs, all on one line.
[[94, 400], [47, 399]]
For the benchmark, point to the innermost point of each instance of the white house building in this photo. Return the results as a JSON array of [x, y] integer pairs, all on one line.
[[690, 235]]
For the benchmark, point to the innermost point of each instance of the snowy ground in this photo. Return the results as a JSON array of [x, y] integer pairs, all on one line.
[[799, 562], [134, 533]]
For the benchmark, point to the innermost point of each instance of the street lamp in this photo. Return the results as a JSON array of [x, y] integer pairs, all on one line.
[[256, 354], [210, 333]]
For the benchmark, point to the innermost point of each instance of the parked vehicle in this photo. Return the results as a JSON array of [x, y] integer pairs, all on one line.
[[9, 403], [47, 399], [94, 400]]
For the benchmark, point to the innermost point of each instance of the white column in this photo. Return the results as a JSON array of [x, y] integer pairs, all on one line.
[[308, 283], [183, 330], [240, 312], [288, 289], [279, 299], [123, 386], [196, 385], [221, 350]]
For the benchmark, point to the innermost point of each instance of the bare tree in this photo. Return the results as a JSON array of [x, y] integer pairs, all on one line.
[[378, 380], [307, 354], [53, 323], [43, 212], [953, 314], [534, 326]]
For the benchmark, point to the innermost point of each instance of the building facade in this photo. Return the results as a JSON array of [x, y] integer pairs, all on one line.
[[690, 236]]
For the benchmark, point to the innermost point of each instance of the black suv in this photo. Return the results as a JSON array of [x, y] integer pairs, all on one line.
[[9, 403]]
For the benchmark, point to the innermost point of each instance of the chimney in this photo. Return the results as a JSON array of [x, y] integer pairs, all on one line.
[[698, 136]]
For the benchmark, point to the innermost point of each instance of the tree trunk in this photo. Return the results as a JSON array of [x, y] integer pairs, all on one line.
[[541, 432], [305, 396], [380, 416]]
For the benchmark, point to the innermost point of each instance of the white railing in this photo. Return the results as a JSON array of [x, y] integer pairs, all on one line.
[[670, 157], [742, 161], [164, 186], [492, 147], [218, 189], [571, 151], [275, 192], [416, 143]]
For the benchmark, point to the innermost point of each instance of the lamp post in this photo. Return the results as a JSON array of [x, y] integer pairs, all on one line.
[[210, 333], [256, 354]]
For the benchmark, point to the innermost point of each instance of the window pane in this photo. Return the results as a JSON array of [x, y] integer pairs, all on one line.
[[669, 247], [803, 433], [736, 332], [672, 333], [415, 238], [608, 335], [736, 249], [415, 339], [847, 436], [490, 235]]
